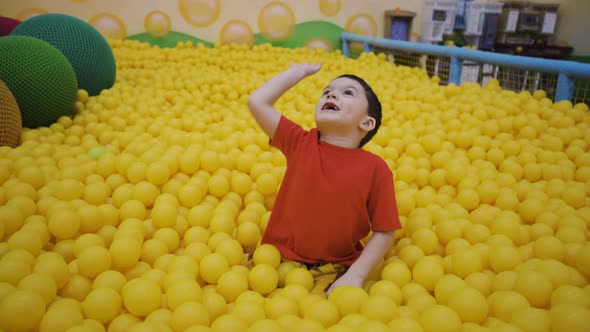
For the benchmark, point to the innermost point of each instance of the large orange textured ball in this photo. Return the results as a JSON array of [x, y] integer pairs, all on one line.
[[10, 119]]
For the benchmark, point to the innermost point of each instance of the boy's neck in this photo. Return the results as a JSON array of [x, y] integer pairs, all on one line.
[[340, 141]]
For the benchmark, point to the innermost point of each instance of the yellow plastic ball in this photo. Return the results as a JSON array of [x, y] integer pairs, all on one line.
[[182, 292], [212, 266], [93, 261], [267, 254], [278, 306], [466, 262], [583, 260], [189, 314], [27, 240], [232, 250], [229, 322], [125, 252], [531, 319], [102, 304], [63, 224], [232, 284], [503, 304], [141, 296], [427, 273], [41, 284], [300, 276], [323, 311], [569, 318], [447, 285], [53, 265], [470, 304], [398, 272], [21, 310], [263, 278], [61, 315], [440, 318], [110, 279]]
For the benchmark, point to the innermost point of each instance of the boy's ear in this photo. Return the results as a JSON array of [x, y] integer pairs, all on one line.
[[368, 124]]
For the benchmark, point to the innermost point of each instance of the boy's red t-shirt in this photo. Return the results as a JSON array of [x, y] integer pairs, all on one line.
[[330, 198]]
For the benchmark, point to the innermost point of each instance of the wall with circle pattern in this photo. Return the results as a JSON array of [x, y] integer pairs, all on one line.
[[291, 23]]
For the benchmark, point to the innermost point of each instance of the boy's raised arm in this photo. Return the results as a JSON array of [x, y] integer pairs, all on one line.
[[262, 100]]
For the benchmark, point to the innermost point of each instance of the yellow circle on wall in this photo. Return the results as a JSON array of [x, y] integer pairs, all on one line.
[[30, 12], [319, 43], [330, 7], [236, 32], [200, 13], [361, 24], [157, 23], [276, 21], [109, 25]]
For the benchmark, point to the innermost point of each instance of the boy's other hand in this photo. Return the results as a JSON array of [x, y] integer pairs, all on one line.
[[306, 69], [347, 279]]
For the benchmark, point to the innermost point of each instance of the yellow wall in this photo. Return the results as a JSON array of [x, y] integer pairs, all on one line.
[[206, 19]]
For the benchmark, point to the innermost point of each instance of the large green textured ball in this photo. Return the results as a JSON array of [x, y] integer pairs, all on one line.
[[40, 78], [88, 52]]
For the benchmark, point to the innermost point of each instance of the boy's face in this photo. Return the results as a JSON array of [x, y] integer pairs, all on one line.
[[343, 104]]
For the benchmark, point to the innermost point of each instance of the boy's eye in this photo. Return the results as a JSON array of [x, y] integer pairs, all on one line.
[[348, 92], [325, 92]]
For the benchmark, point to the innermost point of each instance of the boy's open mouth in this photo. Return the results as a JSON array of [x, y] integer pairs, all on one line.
[[330, 107]]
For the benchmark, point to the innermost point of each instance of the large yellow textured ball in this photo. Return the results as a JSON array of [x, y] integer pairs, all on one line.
[[263, 278], [102, 304], [21, 310], [141, 296]]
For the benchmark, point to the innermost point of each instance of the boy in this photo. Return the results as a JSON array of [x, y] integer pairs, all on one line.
[[333, 193]]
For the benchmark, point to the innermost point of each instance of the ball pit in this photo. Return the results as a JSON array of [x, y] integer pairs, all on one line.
[[492, 185]]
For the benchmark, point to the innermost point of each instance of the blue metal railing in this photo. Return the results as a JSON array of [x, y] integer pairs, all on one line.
[[566, 70]]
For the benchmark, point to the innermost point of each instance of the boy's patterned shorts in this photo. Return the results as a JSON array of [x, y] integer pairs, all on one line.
[[323, 275]]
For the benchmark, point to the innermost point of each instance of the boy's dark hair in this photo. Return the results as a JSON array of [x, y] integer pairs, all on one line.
[[374, 106]]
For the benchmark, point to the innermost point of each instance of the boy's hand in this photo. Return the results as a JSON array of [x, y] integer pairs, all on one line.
[[306, 69], [347, 279]]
